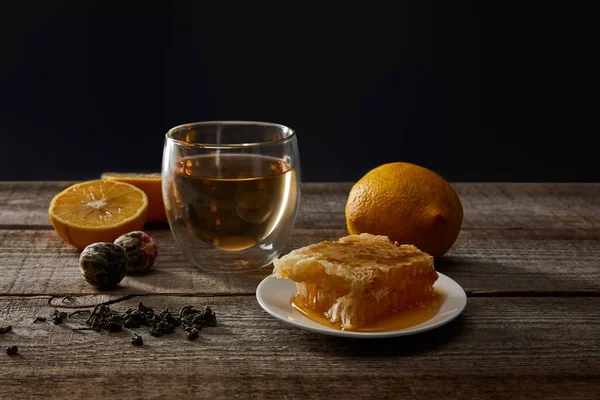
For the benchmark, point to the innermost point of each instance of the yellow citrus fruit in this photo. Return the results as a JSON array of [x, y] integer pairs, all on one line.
[[97, 211], [151, 184], [409, 204]]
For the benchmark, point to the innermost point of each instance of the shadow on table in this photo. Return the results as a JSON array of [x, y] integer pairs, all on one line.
[[190, 279], [476, 275], [391, 347]]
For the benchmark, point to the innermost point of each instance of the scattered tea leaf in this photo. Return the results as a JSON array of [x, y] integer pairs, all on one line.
[[67, 298], [58, 317], [103, 318], [155, 333], [5, 329], [137, 340], [12, 350], [191, 333]]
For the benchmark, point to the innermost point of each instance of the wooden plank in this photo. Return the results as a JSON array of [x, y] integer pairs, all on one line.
[[486, 205], [530, 205], [534, 348], [525, 260], [26, 203], [38, 262], [539, 261]]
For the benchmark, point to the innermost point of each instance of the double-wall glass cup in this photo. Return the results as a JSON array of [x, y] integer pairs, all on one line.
[[231, 191]]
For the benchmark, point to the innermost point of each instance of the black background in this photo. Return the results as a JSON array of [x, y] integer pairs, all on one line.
[[475, 91]]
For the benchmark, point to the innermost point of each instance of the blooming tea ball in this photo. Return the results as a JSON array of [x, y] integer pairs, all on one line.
[[103, 265], [140, 250]]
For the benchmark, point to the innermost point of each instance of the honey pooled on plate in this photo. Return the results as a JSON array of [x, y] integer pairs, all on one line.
[[394, 321], [361, 281]]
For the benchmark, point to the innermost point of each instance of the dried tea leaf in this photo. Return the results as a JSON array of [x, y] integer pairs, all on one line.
[[5, 329]]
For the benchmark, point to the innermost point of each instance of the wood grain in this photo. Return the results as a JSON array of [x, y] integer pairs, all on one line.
[[506, 348], [38, 262], [528, 256], [486, 205]]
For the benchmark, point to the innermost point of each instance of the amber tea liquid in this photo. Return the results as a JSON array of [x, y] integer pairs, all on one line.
[[235, 201]]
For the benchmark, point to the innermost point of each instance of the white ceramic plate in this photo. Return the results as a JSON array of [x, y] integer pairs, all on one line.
[[274, 296]]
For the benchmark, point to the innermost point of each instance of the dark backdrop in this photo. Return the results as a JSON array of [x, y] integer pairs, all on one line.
[[475, 91]]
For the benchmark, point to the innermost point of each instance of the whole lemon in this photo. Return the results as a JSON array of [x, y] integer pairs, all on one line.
[[407, 203]]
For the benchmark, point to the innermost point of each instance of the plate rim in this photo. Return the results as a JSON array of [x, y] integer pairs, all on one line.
[[325, 330]]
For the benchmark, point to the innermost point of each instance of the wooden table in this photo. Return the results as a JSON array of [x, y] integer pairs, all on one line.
[[528, 257]]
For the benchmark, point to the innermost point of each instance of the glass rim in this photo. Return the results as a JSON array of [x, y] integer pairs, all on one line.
[[291, 136]]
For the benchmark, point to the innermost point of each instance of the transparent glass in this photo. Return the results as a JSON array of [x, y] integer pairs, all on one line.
[[231, 191]]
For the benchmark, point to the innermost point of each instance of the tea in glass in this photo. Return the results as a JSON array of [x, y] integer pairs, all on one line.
[[231, 206]]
